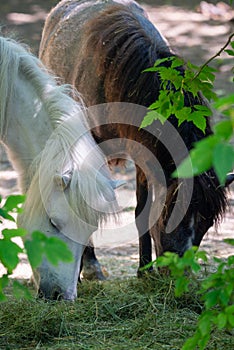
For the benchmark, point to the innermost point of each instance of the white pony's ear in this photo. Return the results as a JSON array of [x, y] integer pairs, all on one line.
[[117, 183], [62, 181]]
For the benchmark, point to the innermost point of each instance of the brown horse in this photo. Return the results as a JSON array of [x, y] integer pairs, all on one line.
[[102, 47]]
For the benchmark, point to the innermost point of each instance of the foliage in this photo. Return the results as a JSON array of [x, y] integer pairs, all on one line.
[[36, 247], [214, 150], [172, 92], [178, 266], [12, 204], [216, 290]]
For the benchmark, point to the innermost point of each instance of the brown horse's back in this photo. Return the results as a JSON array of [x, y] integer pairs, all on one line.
[[61, 48]]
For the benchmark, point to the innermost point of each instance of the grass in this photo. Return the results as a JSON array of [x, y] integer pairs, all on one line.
[[112, 315]]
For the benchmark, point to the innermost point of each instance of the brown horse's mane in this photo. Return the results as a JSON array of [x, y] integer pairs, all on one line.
[[123, 49], [123, 43]]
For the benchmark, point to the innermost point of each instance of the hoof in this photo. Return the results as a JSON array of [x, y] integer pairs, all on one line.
[[144, 273], [94, 272]]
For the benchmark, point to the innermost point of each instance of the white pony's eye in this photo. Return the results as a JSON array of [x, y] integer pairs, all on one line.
[[53, 224]]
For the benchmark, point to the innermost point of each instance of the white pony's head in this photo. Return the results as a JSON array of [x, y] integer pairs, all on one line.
[[68, 187], [71, 193]]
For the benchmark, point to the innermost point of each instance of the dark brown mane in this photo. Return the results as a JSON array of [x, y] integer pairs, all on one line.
[[207, 189], [122, 44], [123, 48]]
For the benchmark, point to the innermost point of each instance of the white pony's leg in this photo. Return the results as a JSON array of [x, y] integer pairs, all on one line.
[[91, 268]]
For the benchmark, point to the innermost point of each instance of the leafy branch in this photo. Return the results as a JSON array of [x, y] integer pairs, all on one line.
[[215, 150], [216, 55], [216, 290]]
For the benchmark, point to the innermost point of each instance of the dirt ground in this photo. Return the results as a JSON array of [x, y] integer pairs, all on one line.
[[194, 35]]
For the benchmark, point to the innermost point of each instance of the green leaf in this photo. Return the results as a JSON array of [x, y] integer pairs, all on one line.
[[56, 251], [35, 251], [224, 129], [192, 342], [198, 116], [221, 320], [147, 266], [204, 109], [53, 248], [223, 160], [2, 296], [229, 241], [172, 75], [224, 102], [154, 105], [200, 254], [13, 203], [229, 309], [182, 114], [4, 214], [16, 232], [181, 285], [230, 260], [150, 69], [211, 298], [21, 291], [35, 248], [200, 158], [39, 236], [177, 62], [202, 342], [207, 74], [150, 117], [224, 295], [177, 99], [9, 254], [4, 280], [230, 320], [197, 163], [204, 324], [230, 52], [198, 120], [162, 60], [195, 266]]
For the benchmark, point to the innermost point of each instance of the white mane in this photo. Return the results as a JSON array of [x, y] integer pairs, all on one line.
[[65, 152], [16, 60]]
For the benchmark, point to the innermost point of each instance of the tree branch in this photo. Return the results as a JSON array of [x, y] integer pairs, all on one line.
[[213, 57]]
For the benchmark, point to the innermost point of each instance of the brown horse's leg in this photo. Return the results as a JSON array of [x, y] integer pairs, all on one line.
[[91, 268], [142, 213]]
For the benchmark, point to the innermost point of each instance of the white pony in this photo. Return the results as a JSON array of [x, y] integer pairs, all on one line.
[[61, 169]]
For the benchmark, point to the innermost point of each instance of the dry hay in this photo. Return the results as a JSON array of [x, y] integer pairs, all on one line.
[[114, 315]]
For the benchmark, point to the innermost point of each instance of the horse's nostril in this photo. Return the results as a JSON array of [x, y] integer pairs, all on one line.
[[40, 294], [56, 295]]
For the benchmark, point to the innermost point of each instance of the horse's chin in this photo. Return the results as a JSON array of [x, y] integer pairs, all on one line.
[[55, 294], [177, 241], [49, 291], [58, 282]]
